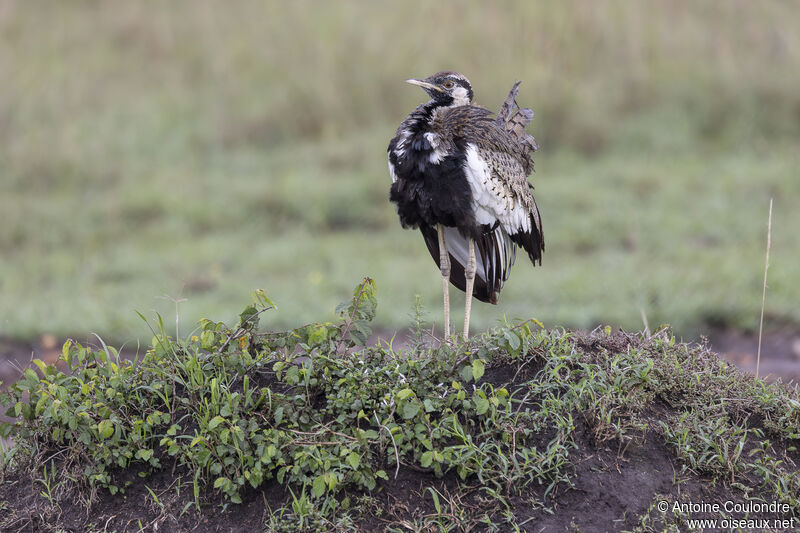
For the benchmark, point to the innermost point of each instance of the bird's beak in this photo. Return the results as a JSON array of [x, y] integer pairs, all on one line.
[[424, 85]]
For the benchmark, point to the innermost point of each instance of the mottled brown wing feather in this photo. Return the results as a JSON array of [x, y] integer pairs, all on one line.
[[509, 161]]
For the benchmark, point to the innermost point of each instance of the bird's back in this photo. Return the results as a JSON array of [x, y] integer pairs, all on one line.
[[498, 162]]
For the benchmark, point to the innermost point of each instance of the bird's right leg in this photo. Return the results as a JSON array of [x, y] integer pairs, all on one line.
[[444, 266], [469, 274]]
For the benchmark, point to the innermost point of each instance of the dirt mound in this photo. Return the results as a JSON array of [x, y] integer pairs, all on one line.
[[543, 431]]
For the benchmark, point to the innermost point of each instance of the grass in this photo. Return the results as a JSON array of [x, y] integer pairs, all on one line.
[[500, 428], [601, 264], [764, 290], [150, 151]]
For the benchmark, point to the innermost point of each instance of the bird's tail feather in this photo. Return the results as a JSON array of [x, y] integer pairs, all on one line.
[[532, 241], [514, 119]]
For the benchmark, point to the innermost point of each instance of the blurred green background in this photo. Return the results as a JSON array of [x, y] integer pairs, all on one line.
[[192, 150]]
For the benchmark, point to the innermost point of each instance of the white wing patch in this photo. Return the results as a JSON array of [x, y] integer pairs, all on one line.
[[400, 147], [437, 154], [392, 172], [492, 200], [399, 151]]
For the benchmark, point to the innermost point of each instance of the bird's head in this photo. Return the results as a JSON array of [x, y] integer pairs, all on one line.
[[446, 88]]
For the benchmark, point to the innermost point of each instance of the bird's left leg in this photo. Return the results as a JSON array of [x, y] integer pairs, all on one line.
[[444, 266], [469, 273]]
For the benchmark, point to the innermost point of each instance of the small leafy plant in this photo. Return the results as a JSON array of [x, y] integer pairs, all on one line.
[[309, 408]]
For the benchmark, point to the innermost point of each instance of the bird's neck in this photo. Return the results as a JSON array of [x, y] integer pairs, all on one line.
[[419, 121], [423, 116], [449, 102]]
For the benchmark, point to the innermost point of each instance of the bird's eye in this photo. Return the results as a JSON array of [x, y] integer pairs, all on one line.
[[448, 84]]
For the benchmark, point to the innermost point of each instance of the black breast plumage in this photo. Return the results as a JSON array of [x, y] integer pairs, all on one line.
[[431, 186]]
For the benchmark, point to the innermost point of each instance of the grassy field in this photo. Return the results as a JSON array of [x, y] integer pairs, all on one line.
[[152, 153]]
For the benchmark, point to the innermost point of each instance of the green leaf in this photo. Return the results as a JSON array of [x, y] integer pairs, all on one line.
[[207, 340], [481, 405], [248, 317], [41, 364], [30, 375], [404, 393], [261, 300], [478, 369], [105, 428], [319, 486], [144, 454], [466, 373], [219, 482], [318, 336], [369, 434], [426, 460], [331, 480], [436, 504], [359, 333], [410, 409], [66, 352], [363, 304], [217, 420], [354, 460], [513, 340]]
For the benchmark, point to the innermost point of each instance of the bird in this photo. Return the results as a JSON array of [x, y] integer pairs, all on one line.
[[460, 175]]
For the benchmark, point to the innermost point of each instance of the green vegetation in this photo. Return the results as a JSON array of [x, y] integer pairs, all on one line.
[[152, 152], [495, 431]]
